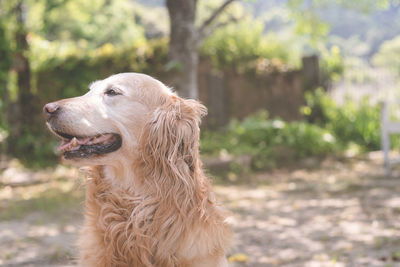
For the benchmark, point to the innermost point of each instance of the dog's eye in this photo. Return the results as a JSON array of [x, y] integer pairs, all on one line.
[[112, 92]]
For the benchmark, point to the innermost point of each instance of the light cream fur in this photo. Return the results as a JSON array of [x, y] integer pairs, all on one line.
[[148, 203]]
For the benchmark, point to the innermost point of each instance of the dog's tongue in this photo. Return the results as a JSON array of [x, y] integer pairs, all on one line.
[[73, 143]]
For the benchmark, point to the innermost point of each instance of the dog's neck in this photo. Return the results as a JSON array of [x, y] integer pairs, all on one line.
[[121, 175]]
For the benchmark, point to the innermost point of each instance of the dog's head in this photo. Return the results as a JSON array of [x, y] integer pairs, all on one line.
[[112, 120]]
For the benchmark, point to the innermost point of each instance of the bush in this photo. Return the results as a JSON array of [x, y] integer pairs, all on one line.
[[240, 45], [351, 122], [331, 128], [332, 64], [264, 138]]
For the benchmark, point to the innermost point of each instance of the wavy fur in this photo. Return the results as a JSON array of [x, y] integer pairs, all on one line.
[[168, 215]]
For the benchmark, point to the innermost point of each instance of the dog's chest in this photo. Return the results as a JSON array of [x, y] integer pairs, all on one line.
[[119, 208]]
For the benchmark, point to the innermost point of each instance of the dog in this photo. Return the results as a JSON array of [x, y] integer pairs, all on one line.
[[148, 201]]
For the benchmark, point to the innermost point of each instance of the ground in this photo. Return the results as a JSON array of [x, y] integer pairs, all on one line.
[[324, 213]]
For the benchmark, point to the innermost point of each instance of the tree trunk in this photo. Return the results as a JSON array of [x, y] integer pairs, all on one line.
[[25, 97], [20, 114], [5, 65], [183, 45]]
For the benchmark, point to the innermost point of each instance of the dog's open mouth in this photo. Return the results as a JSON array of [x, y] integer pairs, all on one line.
[[84, 147]]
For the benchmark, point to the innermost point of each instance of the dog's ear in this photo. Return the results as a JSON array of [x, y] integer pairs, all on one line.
[[171, 138]]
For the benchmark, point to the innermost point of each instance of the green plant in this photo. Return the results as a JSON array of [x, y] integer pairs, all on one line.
[[332, 64], [308, 139], [265, 139], [387, 55], [350, 122], [241, 45], [330, 128]]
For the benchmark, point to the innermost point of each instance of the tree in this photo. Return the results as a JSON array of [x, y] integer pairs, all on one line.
[[89, 24], [5, 65], [20, 112], [22, 67], [387, 55], [186, 39]]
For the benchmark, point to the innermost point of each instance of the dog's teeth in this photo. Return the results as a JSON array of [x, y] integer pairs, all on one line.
[[74, 142]]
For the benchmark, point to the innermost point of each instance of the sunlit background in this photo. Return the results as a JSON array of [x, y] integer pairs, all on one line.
[[292, 141]]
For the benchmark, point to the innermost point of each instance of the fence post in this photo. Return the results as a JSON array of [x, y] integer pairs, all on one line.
[[310, 72]]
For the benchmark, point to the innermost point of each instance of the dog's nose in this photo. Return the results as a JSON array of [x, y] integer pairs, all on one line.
[[51, 109]]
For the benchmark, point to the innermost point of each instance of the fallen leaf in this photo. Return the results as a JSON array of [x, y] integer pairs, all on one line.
[[239, 257]]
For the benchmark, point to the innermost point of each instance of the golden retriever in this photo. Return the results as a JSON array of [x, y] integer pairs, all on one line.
[[148, 202]]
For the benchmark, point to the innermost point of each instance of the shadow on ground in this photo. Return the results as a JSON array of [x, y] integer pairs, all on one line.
[[339, 214], [333, 214]]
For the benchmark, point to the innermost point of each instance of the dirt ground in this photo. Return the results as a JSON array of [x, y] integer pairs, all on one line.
[[323, 213]]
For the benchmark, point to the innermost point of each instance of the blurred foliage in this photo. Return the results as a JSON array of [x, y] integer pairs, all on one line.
[[358, 71], [235, 11], [331, 129], [332, 63], [153, 19], [266, 139], [240, 45], [90, 23], [388, 55], [307, 20], [366, 5], [327, 22], [55, 64], [361, 5], [351, 123], [245, 47], [5, 65], [67, 38]]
